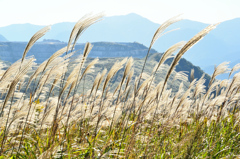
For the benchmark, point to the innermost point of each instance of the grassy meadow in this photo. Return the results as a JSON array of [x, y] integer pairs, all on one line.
[[116, 108]]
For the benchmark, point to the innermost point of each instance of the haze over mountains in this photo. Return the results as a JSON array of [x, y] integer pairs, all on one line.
[[2, 38], [221, 44]]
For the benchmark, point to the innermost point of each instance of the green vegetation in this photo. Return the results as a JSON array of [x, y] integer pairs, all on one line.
[[73, 108]]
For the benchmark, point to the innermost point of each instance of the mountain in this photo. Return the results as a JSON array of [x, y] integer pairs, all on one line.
[[221, 44], [2, 38], [12, 51], [19, 32], [229, 31], [106, 51]]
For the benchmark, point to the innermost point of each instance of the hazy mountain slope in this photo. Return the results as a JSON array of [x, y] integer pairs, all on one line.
[[183, 65], [19, 32], [2, 38], [229, 31]]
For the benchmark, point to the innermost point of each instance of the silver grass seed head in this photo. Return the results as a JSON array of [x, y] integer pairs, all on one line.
[[90, 65], [181, 75], [224, 83], [128, 67], [55, 55], [200, 87], [221, 68], [234, 69], [117, 66], [130, 77], [169, 52], [10, 73], [144, 84], [161, 29], [97, 78], [82, 25], [87, 49], [100, 79], [34, 38]]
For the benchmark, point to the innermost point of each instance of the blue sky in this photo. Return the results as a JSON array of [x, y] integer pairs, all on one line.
[[46, 12]]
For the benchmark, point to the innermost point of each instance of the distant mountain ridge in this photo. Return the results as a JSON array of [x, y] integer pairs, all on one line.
[[12, 51], [221, 44]]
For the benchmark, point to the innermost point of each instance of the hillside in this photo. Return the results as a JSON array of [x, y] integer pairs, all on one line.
[[137, 67], [183, 65]]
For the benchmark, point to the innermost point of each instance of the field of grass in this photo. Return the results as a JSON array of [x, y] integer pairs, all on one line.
[[73, 108]]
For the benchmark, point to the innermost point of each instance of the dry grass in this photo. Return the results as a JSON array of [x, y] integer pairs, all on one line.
[[135, 118]]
